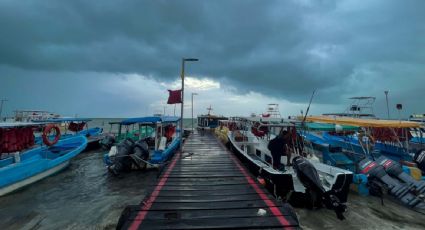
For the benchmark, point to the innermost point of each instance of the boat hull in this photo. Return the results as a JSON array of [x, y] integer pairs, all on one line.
[[284, 184], [38, 163], [8, 189]]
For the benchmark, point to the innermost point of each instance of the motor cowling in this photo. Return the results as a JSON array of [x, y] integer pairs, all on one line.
[[140, 154], [308, 176], [107, 142], [395, 169], [403, 192], [122, 160]]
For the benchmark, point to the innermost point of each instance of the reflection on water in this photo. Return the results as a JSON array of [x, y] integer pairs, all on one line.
[[82, 196]]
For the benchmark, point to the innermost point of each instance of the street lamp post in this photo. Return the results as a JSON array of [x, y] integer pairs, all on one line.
[[1, 107], [193, 94], [386, 98], [182, 104]]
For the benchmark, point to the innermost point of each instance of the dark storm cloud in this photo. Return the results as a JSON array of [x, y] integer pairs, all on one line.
[[279, 48]]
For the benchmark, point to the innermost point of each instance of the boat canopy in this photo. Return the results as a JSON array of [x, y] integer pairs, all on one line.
[[150, 120], [329, 127], [267, 119], [68, 119], [19, 124], [374, 123]]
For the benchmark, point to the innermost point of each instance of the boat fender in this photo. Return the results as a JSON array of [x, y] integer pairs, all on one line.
[[46, 134]]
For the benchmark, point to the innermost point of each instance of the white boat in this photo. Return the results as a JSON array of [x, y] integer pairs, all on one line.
[[308, 183]]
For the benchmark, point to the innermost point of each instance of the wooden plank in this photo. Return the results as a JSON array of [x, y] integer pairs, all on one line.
[[216, 223], [207, 190]]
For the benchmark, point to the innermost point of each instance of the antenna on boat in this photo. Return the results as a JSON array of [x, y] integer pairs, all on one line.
[[209, 110], [308, 108]]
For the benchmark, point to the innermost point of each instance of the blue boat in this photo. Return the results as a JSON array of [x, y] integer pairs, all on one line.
[[145, 152], [378, 169], [74, 127], [19, 169]]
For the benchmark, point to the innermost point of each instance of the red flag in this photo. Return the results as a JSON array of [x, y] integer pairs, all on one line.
[[175, 96]]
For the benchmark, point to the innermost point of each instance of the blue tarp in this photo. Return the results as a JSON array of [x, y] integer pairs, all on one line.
[[60, 120], [152, 120]]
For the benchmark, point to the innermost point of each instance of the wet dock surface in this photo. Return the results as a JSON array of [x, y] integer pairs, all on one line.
[[207, 188]]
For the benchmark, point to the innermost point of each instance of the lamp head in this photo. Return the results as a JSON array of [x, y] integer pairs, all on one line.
[[190, 59]]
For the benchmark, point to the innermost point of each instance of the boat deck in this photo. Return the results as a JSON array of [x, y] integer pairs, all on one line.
[[206, 187]]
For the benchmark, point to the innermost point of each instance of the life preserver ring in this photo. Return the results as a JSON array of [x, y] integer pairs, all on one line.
[[257, 131], [370, 138], [46, 134]]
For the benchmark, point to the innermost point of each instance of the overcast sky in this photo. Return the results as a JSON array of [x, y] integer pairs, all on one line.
[[118, 58]]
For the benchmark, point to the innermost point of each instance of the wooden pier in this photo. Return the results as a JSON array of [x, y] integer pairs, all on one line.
[[206, 187]]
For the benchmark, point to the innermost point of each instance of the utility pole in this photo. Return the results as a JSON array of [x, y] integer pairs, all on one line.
[[388, 108], [182, 95], [1, 107]]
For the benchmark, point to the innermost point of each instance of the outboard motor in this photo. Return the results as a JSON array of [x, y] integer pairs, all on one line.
[[394, 169], [403, 192], [107, 142], [122, 160], [420, 159], [140, 154], [309, 177]]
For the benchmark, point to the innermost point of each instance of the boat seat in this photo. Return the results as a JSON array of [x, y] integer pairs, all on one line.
[[162, 143]]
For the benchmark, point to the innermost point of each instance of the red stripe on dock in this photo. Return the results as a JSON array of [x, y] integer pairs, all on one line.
[[147, 205], [275, 210]]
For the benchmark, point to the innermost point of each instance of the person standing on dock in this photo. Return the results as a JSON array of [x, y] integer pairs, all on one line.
[[277, 147]]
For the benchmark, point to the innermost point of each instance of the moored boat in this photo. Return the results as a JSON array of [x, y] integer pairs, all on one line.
[[308, 183], [209, 121], [146, 151], [379, 169], [76, 126], [24, 163]]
